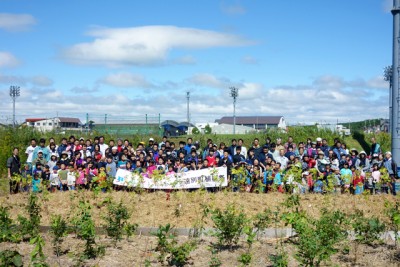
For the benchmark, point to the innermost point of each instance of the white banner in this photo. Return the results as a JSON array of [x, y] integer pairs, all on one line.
[[213, 177]]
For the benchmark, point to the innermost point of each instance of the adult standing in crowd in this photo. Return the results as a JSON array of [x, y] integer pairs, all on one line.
[[391, 167], [13, 168]]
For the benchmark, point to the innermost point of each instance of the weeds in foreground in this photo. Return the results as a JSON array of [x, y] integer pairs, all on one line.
[[11, 258]]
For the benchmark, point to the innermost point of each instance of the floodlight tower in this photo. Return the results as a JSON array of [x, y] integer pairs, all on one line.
[[395, 122], [14, 93], [234, 95]]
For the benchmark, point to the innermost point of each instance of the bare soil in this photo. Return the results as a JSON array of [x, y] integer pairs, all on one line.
[[183, 209]]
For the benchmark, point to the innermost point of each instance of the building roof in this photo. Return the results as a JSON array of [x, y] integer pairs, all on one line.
[[34, 119], [71, 120], [170, 123], [268, 120]]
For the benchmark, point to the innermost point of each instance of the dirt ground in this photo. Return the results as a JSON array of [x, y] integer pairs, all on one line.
[[183, 209], [141, 248]]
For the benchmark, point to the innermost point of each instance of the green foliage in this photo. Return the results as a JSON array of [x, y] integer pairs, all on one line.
[[262, 220], [10, 258], [195, 131], [245, 259], [8, 231], [58, 230], [207, 129], [393, 212], [116, 221], [168, 247], [38, 259], [229, 224], [280, 259], [85, 229], [317, 239], [367, 230], [215, 260], [30, 226]]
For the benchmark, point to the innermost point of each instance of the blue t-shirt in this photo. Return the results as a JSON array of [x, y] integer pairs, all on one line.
[[36, 185]]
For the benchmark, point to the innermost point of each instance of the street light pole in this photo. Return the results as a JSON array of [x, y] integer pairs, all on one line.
[[14, 93], [234, 95]]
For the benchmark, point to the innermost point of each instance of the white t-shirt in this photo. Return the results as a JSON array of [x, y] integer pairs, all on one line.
[[29, 151], [54, 179], [103, 148], [71, 177]]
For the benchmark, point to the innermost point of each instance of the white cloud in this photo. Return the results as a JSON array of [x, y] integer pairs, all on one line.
[[141, 46], [38, 80], [16, 22], [126, 80], [326, 98], [8, 60]]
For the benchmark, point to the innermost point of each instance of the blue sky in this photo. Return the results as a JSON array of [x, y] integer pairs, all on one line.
[[310, 61]]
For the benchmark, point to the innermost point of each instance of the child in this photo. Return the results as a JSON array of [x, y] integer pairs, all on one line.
[[111, 167], [54, 179], [376, 178], [345, 174], [81, 181], [277, 177], [268, 180], [358, 181], [26, 175], [318, 186], [71, 178], [170, 170], [36, 183], [62, 174]]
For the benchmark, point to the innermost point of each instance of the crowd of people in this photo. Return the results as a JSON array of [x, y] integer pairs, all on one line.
[[82, 163]]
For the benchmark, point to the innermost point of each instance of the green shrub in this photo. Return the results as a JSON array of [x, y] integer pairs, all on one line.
[[30, 226], [367, 230], [169, 249], [8, 231], [58, 230], [116, 220], [393, 212], [38, 259], [317, 239], [229, 225]]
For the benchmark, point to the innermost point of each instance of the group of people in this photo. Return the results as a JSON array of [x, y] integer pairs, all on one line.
[[276, 165]]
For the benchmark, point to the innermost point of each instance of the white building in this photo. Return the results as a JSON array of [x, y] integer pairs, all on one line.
[[57, 123]]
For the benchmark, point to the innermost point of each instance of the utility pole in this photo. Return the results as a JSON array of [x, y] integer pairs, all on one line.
[[14, 93], [87, 123], [234, 95], [395, 122], [188, 112], [387, 76]]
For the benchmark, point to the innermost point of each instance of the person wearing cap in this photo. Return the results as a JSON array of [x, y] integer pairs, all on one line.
[[363, 162], [391, 167], [41, 147], [318, 142], [40, 158], [54, 179], [321, 162]]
